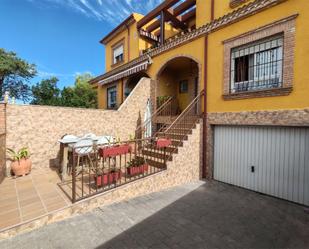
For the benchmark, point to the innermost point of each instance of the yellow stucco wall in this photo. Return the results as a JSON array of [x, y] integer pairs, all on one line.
[[203, 12], [299, 98], [136, 44], [191, 50]]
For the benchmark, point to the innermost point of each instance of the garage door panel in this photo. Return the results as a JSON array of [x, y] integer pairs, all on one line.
[[279, 156], [306, 170]]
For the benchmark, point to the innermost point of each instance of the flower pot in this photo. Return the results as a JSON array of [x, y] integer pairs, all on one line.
[[107, 178], [21, 167], [137, 170], [163, 142], [115, 150]]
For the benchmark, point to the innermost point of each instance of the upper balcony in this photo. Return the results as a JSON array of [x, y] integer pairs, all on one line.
[[167, 20]]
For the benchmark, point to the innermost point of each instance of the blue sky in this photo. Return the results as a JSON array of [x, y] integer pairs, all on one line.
[[62, 36]]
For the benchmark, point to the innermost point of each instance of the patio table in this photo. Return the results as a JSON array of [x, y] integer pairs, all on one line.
[[65, 145]]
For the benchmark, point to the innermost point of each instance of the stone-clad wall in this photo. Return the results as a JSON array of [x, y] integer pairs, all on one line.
[[2, 142], [40, 127], [184, 168]]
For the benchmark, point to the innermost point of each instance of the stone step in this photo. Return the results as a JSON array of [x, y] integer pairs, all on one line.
[[155, 163], [173, 136], [170, 149], [156, 155]]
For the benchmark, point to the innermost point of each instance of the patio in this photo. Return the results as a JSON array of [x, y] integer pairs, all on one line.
[[195, 215], [25, 198], [45, 191]]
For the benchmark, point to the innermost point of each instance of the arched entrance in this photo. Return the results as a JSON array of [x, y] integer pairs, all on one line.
[[132, 82], [179, 78]]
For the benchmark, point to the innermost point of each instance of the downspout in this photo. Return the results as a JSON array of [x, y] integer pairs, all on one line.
[[205, 134], [122, 91], [128, 42], [204, 169], [212, 11]]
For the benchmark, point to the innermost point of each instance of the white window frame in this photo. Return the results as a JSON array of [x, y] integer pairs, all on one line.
[[118, 52]]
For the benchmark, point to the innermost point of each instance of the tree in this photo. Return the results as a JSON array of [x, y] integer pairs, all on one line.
[[46, 92], [15, 74], [81, 94]]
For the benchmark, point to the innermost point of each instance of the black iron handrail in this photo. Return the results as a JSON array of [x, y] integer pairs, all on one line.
[[140, 129], [99, 168], [186, 121]]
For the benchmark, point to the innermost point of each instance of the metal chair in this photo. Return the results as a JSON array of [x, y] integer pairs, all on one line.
[[83, 149]]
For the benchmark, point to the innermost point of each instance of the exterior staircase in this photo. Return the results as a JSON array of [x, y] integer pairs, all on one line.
[[176, 128], [122, 162]]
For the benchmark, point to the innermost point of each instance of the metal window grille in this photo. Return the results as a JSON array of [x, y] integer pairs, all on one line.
[[257, 66]]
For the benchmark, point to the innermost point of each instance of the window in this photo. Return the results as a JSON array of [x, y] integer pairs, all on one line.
[[257, 66], [118, 54], [112, 97], [183, 86]]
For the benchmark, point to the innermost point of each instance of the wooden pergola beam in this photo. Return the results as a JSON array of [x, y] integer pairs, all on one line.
[[153, 26], [156, 12], [162, 26], [183, 7], [175, 21], [187, 16]]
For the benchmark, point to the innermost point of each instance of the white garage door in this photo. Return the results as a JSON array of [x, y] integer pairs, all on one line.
[[270, 160]]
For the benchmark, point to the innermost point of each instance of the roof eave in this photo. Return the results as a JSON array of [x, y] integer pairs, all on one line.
[[128, 21]]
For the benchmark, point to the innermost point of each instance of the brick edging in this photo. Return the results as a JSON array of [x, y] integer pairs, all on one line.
[[287, 27], [259, 94]]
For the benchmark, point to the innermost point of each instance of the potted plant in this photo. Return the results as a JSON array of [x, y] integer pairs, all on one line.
[[163, 142], [105, 178], [137, 166], [21, 163], [115, 150]]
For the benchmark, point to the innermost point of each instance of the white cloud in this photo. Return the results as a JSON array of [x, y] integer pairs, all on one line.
[[112, 11], [46, 74]]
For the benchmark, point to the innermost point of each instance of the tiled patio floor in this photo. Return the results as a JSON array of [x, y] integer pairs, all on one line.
[[26, 198], [29, 197]]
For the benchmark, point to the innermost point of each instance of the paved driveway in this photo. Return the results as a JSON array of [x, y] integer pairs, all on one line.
[[199, 215]]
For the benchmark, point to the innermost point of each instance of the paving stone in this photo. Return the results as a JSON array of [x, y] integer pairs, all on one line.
[[198, 215]]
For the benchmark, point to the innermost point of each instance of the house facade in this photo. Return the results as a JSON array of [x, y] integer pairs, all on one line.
[[237, 65]]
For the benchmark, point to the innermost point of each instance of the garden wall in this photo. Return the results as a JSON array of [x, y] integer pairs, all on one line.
[[40, 127], [184, 168], [2, 142]]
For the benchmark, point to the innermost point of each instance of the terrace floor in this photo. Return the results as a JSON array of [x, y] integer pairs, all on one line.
[[41, 192], [196, 215], [25, 198]]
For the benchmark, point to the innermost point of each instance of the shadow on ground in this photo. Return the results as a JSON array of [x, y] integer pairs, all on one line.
[[217, 215]]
